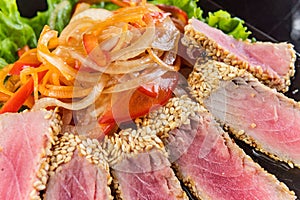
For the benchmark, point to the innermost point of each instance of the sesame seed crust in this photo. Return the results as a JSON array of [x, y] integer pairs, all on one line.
[[175, 113], [218, 53], [41, 178], [189, 182], [150, 131]]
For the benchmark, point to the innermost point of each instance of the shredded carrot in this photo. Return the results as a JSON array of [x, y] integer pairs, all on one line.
[[120, 3], [63, 92], [4, 97], [3, 74], [29, 102], [54, 79], [35, 86]]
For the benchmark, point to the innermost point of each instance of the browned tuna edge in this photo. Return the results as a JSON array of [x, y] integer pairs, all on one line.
[[188, 182], [42, 174], [205, 79], [216, 52], [116, 187], [241, 135]]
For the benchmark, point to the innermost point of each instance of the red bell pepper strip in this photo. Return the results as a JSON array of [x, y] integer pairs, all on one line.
[[18, 98], [28, 59], [108, 128]]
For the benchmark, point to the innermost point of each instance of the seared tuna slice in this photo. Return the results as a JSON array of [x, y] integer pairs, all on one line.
[[78, 170], [214, 167], [206, 159], [271, 63], [79, 179], [258, 115], [140, 167], [25, 142]]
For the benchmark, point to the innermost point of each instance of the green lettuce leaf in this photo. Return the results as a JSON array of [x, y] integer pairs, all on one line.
[[106, 5], [230, 25], [219, 19], [14, 33], [3, 63], [17, 31]]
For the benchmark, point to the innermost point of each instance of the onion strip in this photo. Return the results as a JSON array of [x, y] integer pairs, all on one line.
[[75, 105], [159, 61], [135, 82], [138, 47], [117, 67], [47, 57]]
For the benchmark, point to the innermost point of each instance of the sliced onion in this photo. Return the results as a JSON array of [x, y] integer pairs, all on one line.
[[109, 44], [47, 57], [166, 36], [75, 30], [63, 91], [118, 67], [124, 67], [80, 7], [75, 105], [137, 47], [96, 14], [101, 105], [133, 83], [159, 61], [81, 75]]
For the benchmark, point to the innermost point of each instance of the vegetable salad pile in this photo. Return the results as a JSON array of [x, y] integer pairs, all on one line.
[[96, 58]]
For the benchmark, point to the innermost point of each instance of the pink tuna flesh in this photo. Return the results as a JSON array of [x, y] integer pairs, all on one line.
[[274, 58], [218, 167], [270, 118], [78, 179], [23, 138]]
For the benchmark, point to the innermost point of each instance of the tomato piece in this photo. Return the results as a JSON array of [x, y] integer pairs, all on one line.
[[139, 105], [108, 128], [168, 81], [23, 50], [91, 46], [18, 98], [135, 103], [28, 59]]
